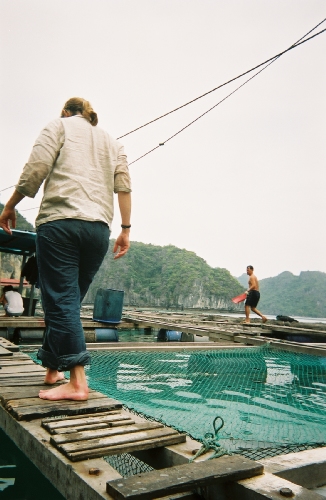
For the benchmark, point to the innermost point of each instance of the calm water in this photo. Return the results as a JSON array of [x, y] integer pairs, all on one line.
[[266, 397], [271, 401], [263, 395], [25, 482]]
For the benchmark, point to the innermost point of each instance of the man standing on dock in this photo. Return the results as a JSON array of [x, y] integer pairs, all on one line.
[[253, 296], [82, 166]]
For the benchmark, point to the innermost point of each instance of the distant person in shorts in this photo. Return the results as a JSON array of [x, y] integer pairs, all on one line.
[[12, 301], [253, 296]]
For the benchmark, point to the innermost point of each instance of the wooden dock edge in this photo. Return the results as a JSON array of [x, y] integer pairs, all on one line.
[[71, 480], [307, 468], [282, 345], [300, 472], [74, 480]]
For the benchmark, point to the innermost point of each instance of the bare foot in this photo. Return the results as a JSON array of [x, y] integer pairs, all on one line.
[[65, 391], [264, 319], [53, 376], [245, 322]]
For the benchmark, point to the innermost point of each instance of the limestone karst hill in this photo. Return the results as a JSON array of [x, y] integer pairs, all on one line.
[[166, 276]]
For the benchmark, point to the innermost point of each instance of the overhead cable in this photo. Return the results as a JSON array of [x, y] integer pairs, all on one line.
[[5, 189], [271, 59]]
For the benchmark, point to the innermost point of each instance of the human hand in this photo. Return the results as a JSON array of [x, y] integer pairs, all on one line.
[[8, 214], [122, 245]]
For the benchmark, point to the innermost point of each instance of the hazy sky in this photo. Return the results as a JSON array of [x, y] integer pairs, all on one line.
[[246, 183]]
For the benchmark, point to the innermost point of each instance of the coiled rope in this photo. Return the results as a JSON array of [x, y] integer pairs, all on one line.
[[210, 442]]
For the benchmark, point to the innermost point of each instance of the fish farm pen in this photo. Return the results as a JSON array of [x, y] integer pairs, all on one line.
[[265, 397], [232, 409]]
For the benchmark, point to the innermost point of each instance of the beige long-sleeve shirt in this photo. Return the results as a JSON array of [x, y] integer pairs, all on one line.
[[82, 167]]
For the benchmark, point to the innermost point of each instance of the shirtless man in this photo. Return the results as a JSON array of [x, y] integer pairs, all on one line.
[[253, 296]]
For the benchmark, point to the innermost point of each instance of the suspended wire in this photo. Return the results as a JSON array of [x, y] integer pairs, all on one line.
[[5, 189], [229, 81], [299, 42], [203, 114], [270, 61]]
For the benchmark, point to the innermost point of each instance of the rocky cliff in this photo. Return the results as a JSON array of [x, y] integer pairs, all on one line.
[[166, 277]]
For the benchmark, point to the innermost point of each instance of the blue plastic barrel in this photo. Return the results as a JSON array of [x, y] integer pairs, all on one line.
[[106, 335], [173, 336], [108, 305], [168, 335]]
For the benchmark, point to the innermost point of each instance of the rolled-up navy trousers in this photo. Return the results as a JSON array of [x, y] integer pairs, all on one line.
[[69, 253]]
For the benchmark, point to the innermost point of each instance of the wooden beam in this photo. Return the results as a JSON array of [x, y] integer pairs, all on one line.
[[127, 447], [306, 468], [6, 344], [283, 345], [4, 352], [269, 487], [183, 478], [51, 408]]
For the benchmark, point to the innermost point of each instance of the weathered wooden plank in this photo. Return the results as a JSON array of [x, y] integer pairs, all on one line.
[[5, 352], [17, 355], [35, 322], [10, 348], [64, 408], [90, 427], [77, 436], [19, 381], [80, 418], [73, 483], [12, 393], [21, 369], [13, 361], [165, 346], [20, 375], [109, 421], [289, 330], [35, 401], [127, 447], [16, 376], [115, 440], [22, 322], [282, 345], [184, 477]]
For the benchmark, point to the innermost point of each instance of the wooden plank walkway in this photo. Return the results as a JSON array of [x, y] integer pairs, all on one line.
[[217, 328], [67, 441], [82, 431], [194, 326], [38, 322]]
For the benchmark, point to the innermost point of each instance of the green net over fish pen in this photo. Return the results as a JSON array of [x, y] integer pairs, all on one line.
[[272, 402]]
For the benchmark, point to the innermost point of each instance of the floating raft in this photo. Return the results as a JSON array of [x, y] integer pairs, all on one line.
[[217, 327], [111, 433], [101, 427], [57, 434]]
